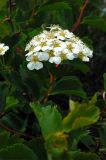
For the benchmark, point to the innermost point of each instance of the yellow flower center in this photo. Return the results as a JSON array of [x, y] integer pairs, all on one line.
[[51, 53], [34, 59], [63, 56], [56, 44], [38, 38], [50, 36], [80, 55], [69, 46], [62, 34], [1, 50], [42, 44], [31, 48]]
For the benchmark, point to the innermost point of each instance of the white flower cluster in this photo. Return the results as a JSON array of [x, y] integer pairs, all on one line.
[[3, 49], [55, 46]]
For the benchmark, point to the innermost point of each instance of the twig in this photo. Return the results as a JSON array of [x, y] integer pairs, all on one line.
[[50, 87], [80, 16], [51, 78], [14, 131]]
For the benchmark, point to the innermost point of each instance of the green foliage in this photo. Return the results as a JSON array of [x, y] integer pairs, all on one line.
[[96, 22], [37, 145], [11, 102], [49, 119], [2, 3], [16, 152], [12, 147], [82, 115], [14, 121], [54, 6], [54, 128], [104, 76], [82, 156], [7, 140], [69, 85], [102, 135]]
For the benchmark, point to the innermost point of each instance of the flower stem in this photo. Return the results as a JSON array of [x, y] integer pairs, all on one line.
[[51, 81]]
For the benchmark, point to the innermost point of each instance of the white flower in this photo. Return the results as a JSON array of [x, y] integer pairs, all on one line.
[[85, 59], [42, 46], [31, 58], [27, 47], [87, 52], [63, 34], [56, 60], [69, 47], [70, 56], [3, 48], [55, 28], [34, 60], [58, 46], [31, 65], [55, 46], [31, 50], [43, 56], [47, 35], [34, 42], [34, 65], [76, 48]]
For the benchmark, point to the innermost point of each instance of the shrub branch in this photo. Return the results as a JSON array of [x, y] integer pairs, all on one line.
[[76, 25]]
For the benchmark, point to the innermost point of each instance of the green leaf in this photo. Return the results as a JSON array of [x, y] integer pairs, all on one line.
[[2, 3], [11, 102], [37, 145], [96, 22], [16, 152], [14, 121], [4, 89], [82, 115], [78, 65], [102, 132], [49, 119], [77, 155], [25, 5], [69, 85], [4, 136], [104, 76], [55, 6], [7, 140], [71, 104], [5, 29], [89, 142], [76, 136], [80, 2]]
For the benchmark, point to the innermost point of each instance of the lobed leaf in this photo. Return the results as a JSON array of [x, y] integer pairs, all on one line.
[[82, 115], [49, 119]]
